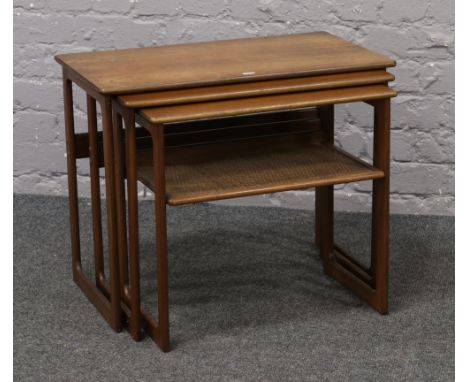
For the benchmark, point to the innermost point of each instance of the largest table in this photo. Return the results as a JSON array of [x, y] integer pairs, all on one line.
[[205, 81]]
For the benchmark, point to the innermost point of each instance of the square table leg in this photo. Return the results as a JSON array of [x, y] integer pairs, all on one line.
[[161, 236], [119, 166], [324, 196], [126, 167], [381, 205], [95, 193]]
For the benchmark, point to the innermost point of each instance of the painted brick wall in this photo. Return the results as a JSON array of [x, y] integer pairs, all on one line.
[[419, 34]]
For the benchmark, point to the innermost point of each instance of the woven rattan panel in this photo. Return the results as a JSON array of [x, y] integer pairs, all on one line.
[[242, 174]]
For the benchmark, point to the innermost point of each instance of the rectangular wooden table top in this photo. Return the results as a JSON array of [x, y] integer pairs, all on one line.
[[179, 66], [226, 108]]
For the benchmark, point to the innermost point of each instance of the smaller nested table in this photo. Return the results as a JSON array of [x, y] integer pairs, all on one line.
[[210, 121]]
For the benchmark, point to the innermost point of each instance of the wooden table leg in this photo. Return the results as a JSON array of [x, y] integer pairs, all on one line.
[[114, 283], [95, 193], [130, 287], [120, 200], [324, 221], [161, 237], [324, 197], [380, 205], [72, 178]]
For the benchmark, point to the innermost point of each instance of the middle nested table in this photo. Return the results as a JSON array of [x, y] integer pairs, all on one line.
[[229, 119]]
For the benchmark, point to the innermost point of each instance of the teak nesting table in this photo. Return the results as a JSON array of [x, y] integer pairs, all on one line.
[[216, 120]]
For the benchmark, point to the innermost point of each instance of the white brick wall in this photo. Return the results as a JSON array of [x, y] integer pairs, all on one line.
[[418, 34]]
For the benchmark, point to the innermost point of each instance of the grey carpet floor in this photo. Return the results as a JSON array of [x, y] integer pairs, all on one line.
[[248, 300]]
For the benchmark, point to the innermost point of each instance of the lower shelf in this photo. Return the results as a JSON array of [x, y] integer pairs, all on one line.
[[258, 172]]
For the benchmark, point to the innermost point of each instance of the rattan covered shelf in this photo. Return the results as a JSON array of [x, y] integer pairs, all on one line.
[[256, 172]]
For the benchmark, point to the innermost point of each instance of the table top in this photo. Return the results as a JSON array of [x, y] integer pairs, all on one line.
[[179, 66], [231, 107], [254, 89]]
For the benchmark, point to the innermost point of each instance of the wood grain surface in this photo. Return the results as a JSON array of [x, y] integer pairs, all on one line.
[[214, 109], [251, 89], [220, 62]]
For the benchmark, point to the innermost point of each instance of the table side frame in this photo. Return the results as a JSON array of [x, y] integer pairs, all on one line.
[[369, 283], [138, 316], [104, 296]]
